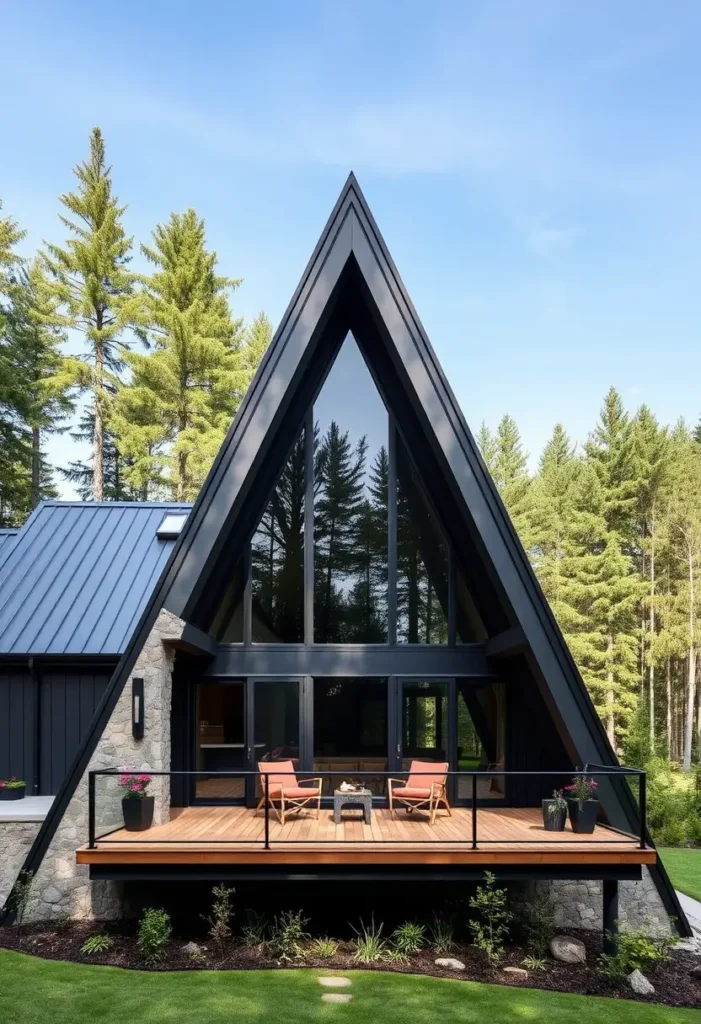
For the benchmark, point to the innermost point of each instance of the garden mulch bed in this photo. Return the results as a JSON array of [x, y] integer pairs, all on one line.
[[673, 982]]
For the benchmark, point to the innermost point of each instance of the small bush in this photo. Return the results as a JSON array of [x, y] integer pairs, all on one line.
[[286, 936], [635, 951], [491, 927], [536, 918], [442, 931], [324, 948], [534, 963], [21, 899], [255, 931], [154, 931], [409, 937], [96, 944], [222, 912], [394, 956], [370, 947]]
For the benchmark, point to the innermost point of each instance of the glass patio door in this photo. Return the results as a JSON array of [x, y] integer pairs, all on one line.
[[273, 727], [426, 724], [220, 741]]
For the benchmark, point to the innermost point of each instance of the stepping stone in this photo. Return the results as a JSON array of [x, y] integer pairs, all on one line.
[[336, 997], [335, 982]]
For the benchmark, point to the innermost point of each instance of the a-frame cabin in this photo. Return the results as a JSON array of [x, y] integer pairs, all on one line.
[[348, 594]]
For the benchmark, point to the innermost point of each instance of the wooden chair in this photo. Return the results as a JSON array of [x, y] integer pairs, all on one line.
[[285, 793], [425, 789]]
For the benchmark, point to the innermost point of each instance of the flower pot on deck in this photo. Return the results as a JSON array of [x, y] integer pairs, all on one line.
[[12, 792], [138, 813], [583, 815], [554, 816]]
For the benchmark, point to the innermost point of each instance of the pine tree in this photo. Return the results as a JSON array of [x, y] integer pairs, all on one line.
[[92, 283], [510, 472], [610, 449], [14, 449], [339, 471], [682, 528], [649, 470], [46, 377], [172, 418], [487, 446]]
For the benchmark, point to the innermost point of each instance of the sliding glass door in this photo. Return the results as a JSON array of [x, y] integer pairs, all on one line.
[[220, 740]]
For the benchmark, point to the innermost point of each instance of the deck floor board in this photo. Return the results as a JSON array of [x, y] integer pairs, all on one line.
[[231, 834]]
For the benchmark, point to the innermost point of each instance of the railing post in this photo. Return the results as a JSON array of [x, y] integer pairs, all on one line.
[[474, 812], [91, 810], [642, 800], [267, 812]]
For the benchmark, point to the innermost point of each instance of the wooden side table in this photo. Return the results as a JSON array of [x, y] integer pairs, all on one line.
[[361, 800]]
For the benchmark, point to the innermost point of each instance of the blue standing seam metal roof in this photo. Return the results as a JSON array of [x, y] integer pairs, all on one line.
[[78, 575], [6, 539]]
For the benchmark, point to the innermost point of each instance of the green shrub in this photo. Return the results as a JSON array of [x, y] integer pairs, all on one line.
[[636, 951], [490, 928], [534, 963], [673, 802], [324, 948], [220, 918], [21, 899], [154, 931], [442, 931], [409, 937], [287, 934], [370, 947], [536, 919], [96, 944], [394, 956], [255, 931]]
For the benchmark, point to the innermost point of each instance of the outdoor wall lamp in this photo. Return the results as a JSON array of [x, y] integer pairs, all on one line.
[[137, 708]]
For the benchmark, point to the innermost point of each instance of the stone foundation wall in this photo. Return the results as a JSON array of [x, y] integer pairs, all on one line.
[[15, 839], [63, 888], [580, 905]]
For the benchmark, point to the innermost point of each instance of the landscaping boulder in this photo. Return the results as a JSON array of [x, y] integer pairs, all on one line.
[[191, 949], [517, 972], [640, 985], [450, 963], [568, 950]]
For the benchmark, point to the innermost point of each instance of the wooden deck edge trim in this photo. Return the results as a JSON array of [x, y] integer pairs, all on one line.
[[97, 856]]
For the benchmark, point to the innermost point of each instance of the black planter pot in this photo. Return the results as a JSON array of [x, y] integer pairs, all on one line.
[[583, 815], [16, 793], [138, 814], [553, 820]]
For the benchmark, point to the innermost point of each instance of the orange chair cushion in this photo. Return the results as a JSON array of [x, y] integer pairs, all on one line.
[[422, 774], [295, 792], [411, 793], [280, 774]]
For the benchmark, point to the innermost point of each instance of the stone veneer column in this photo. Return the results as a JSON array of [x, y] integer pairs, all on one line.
[[578, 904], [15, 839], [62, 887]]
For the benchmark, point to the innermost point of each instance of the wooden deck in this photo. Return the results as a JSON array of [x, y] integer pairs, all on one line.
[[235, 835]]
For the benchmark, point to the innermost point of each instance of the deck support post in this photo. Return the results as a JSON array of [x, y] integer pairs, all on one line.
[[610, 916]]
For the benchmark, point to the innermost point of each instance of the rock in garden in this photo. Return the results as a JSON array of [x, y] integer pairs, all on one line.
[[191, 949], [517, 972], [639, 983], [450, 963], [568, 950]]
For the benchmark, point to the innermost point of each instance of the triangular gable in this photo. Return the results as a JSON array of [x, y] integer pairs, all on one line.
[[352, 284]]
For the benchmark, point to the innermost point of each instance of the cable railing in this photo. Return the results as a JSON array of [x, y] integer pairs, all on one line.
[[267, 792]]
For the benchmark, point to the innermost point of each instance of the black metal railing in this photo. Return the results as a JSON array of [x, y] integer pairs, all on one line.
[[472, 840]]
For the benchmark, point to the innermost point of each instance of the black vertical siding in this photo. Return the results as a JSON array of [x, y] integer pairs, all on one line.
[[532, 740], [67, 702], [16, 725]]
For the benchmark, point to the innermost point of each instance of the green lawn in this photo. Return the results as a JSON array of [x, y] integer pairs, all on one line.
[[684, 868], [36, 991]]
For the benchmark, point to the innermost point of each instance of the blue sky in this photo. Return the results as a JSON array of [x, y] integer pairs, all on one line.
[[534, 168]]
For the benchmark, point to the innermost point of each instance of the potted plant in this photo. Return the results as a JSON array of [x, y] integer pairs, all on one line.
[[137, 807], [555, 812], [12, 788], [582, 803]]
